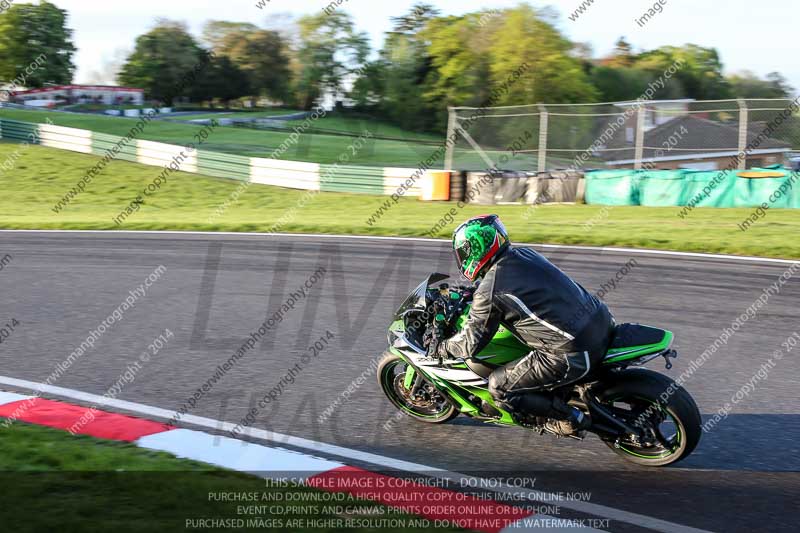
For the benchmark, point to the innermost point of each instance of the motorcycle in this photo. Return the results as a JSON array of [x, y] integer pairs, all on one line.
[[640, 414]]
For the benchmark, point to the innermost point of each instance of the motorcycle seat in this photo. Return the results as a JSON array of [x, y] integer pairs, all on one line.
[[635, 340]]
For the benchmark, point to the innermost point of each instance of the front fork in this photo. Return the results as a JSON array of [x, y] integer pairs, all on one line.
[[412, 381]]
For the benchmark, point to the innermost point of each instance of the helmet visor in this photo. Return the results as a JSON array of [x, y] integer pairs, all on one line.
[[461, 247]]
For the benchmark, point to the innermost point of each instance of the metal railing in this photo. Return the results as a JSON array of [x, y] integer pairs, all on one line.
[[649, 134]]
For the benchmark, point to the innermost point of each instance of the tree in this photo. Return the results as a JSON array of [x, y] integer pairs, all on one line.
[[460, 64], [220, 79], [622, 56], [622, 84], [405, 66], [262, 57], [165, 62], [780, 85], [32, 31], [216, 33], [528, 41], [369, 87], [700, 73], [745, 84], [330, 51]]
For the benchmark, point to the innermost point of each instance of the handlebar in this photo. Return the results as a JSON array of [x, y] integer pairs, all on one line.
[[448, 304]]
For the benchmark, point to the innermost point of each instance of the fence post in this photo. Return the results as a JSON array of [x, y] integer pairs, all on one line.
[[542, 138], [743, 119], [639, 151], [450, 146]]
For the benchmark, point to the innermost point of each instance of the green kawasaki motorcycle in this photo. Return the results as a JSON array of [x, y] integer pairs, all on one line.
[[641, 415]]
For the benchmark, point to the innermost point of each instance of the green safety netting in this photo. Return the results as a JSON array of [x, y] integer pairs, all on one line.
[[714, 188], [612, 187], [709, 188], [661, 188], [794, 195], [775, 192]]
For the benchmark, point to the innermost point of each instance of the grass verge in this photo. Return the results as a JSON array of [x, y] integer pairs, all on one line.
[[53, 481], [41, 176]]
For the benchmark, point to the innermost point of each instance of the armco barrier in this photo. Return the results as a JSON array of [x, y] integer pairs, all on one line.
[[397, 179], [293, 174], [66, 138], [231, 166], [20, 131], [282, 173], [158, 154], [103, 144], [342, 178]]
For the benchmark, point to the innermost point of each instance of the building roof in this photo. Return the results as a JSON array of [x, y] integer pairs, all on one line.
[[697, 138]]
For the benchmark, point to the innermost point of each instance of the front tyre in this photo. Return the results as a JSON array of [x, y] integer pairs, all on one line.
[[427, 404], [671, 427]]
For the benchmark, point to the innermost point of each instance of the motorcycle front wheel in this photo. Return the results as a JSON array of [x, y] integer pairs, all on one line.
[[427, 404]]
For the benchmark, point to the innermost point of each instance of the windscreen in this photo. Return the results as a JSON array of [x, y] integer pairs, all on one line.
[[416, 298]]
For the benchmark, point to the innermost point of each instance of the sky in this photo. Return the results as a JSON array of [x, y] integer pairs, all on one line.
[[755, 36]]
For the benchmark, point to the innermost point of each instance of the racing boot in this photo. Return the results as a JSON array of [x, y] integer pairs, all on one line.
[[566, 421]]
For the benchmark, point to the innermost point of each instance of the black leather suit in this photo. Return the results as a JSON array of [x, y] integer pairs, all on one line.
[[567, 329]]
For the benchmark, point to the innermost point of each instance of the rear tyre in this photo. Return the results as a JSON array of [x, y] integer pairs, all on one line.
[[428, 405], [672, 427]]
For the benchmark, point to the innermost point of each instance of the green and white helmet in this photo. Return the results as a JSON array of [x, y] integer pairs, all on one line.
[[477, 242]]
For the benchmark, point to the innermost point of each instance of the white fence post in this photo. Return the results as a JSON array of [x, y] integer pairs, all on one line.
[[542, 138], [743, 119], [639, 152], [450, 146]]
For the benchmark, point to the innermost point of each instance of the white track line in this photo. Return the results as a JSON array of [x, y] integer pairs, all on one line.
[[594, 509], [9, 397], [235, 454], [641, 251]]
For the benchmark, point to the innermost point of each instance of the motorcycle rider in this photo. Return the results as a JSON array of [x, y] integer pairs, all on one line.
[[567, 328]]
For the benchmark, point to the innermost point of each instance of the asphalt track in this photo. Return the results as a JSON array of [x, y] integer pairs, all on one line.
[[217, 289]]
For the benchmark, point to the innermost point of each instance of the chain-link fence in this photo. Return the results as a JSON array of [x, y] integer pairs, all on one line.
[[663, 134]]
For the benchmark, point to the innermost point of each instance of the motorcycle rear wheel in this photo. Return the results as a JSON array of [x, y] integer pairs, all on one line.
[[429, 406], [674, 424]]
